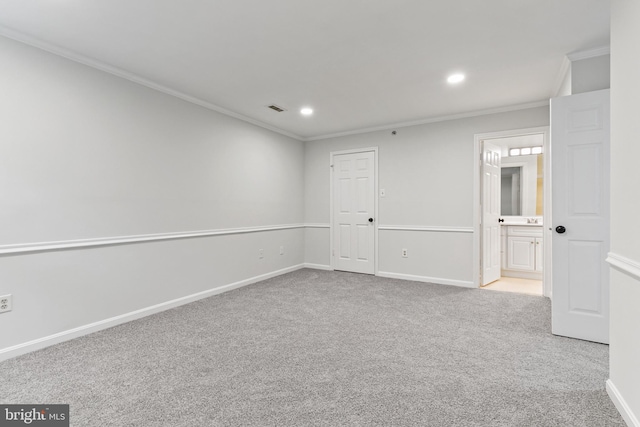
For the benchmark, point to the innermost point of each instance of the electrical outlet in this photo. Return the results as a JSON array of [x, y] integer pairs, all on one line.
[[405, 253], [260, 253], [281, 250], [6, 303]]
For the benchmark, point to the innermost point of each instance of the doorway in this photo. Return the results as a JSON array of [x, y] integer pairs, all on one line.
[[354, 207], [511, 201]]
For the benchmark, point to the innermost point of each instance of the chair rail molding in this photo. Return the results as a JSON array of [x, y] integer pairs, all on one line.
[[27, 248], [625, 265], [434, 228]]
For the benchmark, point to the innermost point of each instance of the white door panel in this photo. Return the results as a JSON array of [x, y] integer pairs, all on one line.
[[580, 203], [490, 213], [353, 206]]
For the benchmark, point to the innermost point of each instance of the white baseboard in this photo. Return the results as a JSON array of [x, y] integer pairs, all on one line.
[[318, 266], [37, 344], [436, 280], [621, 405]]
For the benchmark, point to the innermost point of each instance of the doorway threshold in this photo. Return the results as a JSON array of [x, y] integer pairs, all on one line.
[[516, 285]]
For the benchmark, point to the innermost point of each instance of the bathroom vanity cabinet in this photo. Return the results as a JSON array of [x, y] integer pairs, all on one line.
[[522, 251]]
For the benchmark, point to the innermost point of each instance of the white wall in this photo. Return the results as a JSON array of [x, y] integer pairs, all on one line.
[[624, 383], [427, 174], [87, 155], [590, 74]]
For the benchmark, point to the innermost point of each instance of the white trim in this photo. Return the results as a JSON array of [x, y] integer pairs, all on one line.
[[426, 279], [477, 212], [565, 69], [547, 215], [99, 65], [436, 228], [375, 198], [67, 335], [625, 265], [436, 119], [317, 225], [318, 266], [589, 53], [621, 405], [26, 248]]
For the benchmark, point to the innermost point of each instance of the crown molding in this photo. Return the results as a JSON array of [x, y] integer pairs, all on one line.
[[435, 119], [589, 53], [99, 65]]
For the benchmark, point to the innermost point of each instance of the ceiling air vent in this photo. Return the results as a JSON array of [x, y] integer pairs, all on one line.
[[276, 108]]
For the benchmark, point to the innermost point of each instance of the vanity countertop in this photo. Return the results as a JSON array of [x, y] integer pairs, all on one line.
[[523, 221]]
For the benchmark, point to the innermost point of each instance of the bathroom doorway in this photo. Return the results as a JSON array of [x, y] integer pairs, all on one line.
[[512, 178]]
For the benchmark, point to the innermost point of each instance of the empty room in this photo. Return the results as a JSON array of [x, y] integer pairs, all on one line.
[[295, 213]]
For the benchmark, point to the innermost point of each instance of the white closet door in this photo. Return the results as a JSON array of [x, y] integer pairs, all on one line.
[[580, 206], [353, 212]]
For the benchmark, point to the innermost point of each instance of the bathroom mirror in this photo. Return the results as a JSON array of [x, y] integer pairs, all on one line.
[[510, 199], [521, 186]]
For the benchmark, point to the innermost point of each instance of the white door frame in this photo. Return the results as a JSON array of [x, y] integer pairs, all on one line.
[[477, 213], [375, 213]]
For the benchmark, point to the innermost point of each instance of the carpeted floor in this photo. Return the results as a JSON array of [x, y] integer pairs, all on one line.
[[317, 348]]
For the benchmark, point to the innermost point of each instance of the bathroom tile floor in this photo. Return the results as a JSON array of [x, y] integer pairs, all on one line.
[[514, 284]]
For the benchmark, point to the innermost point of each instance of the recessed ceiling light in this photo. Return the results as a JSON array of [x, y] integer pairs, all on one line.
[[455, 78], [306, 111]]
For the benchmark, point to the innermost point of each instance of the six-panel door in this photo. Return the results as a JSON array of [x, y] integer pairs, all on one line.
[[580, 203], [353, 212]]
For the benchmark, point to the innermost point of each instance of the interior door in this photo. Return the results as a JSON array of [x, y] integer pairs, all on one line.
[[353, 225], [580, 212], [491, 181]]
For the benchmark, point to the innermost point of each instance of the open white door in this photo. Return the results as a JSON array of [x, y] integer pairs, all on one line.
[[490, 213], [353, 228], [580, 212]]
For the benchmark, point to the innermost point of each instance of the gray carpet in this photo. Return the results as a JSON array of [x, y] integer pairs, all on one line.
[[316, 348]]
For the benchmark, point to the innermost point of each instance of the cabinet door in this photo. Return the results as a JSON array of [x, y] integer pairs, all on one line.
[[539, 254], [521, 253]]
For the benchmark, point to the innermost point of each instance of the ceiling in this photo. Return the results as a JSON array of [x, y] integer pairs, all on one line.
[[360, 64]]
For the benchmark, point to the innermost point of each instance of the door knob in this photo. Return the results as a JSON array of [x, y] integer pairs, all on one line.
[[500, 220], [560, 229], [370, 219]]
